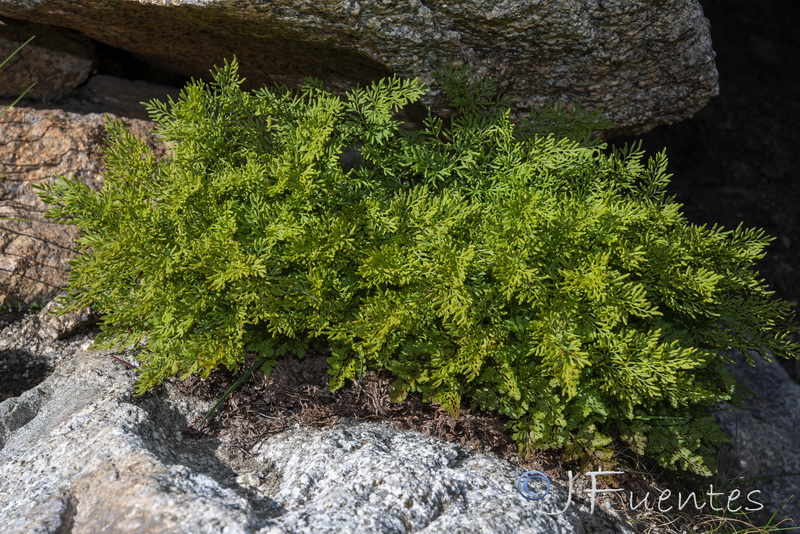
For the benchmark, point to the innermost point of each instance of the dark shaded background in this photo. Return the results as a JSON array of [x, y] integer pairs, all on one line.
[[738, 159]]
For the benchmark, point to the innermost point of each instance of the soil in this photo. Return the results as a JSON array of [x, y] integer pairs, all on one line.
[[297, 392]]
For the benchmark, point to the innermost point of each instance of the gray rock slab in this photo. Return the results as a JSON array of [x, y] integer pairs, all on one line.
[[642, 63], [764, 452], [79, 453], [368, 477]]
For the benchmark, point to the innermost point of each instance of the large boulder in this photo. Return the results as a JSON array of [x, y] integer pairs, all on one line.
[[642, 63], [763, 455], [79, 453]]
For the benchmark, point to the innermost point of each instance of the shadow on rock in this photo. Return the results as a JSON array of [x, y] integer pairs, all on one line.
[[21, 371], [166, 433]]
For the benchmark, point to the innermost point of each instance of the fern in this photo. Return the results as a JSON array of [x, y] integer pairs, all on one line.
[[522, 268]]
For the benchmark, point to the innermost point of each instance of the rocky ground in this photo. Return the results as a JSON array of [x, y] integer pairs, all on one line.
[[733, 162], [270, 414]]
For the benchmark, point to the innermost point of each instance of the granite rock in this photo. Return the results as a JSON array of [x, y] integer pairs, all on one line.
[[79, 453], [642, 63], [57, 325], [36, 146], [762, 454]]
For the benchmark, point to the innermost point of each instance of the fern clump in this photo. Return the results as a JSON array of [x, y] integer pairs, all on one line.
[[524, 269]]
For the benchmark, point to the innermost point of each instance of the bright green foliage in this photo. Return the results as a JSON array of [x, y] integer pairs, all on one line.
[[540, 276]]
